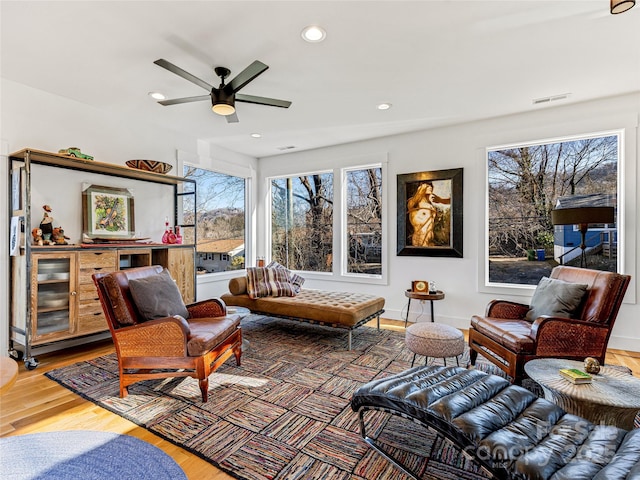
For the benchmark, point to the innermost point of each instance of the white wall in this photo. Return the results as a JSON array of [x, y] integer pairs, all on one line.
[[464, 146], [32, 118]]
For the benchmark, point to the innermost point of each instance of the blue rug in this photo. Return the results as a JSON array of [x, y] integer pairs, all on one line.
[[84, 455]]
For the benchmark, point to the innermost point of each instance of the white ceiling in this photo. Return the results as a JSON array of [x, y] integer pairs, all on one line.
[[437, 62]]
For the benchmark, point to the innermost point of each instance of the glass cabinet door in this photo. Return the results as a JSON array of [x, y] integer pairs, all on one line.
[[53, 295]]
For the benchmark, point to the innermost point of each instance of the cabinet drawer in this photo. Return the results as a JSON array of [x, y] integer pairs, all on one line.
[[89, 307], [88, 291], [91, 323], [97, 260], [84, 275]]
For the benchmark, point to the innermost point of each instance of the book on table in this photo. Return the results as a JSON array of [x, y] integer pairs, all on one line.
[[575, 376]]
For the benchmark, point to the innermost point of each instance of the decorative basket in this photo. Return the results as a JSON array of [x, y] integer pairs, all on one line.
[[149, 165]]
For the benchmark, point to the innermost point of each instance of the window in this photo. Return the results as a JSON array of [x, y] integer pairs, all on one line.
[[305, 232], [302, 222], [525, 183], [364, 220], [220, 219]]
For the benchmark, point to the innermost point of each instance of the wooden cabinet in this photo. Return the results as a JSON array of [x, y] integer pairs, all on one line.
[[54, 303], [64, 303]]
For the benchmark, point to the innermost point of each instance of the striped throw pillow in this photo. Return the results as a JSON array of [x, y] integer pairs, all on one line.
[[296, 280], [268, 282]]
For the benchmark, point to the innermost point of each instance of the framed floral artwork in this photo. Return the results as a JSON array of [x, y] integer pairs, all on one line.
[[107, 213]]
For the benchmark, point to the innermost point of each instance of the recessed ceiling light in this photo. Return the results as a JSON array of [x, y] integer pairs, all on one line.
[[384, 106], [313, 34], [256, 135], [157, 95]]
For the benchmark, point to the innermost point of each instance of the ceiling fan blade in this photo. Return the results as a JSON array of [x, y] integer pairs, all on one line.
[[273, 102], [245, 76], [182, 73], [176, 101], [233, 118]]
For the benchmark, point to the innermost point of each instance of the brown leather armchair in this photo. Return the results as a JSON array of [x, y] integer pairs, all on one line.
[[166, 347], [508, 340]]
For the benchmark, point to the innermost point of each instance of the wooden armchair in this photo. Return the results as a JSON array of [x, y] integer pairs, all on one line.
[[166, 347], [506, 338]]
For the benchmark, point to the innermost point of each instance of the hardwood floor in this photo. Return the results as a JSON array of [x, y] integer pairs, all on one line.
[[36, 404]]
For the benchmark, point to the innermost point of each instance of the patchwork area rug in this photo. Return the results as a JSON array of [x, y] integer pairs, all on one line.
[[285, 413]]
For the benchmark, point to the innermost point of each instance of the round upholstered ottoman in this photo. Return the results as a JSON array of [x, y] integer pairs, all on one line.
[[434, 340]]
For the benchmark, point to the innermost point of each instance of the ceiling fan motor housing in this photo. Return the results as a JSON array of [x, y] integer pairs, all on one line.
[[222, 101]]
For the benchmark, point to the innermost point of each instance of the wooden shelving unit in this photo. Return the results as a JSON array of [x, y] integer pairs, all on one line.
[[53, 300]]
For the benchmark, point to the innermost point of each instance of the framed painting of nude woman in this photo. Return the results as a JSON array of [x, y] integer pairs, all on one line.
[[430, 213]]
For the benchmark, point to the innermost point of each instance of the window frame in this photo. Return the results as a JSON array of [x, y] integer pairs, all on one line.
[[269, 210], [249, 244], [344, 240], [485, 285], [340, 244]]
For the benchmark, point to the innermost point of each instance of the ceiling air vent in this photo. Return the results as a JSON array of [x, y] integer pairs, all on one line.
[[288, 147], [553, 98]]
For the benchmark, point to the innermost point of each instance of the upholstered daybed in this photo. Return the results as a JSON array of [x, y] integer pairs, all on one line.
[[332, 309]]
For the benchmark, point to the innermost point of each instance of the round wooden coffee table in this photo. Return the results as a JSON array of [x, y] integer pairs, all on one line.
[[612, 397]]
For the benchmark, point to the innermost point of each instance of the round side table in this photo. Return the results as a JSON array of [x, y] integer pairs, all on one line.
[[439, 295], [612, 397], [242, 312]]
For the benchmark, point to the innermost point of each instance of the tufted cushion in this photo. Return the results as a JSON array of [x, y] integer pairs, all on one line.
[[556, 298], [296, 280], [321, 306], [268, 282], [434, 340], [157, 296]]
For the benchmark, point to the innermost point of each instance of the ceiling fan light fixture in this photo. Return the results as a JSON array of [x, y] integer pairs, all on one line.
[[619, 6], [157, 96], [313, 34], [223, 109], [222, 102]]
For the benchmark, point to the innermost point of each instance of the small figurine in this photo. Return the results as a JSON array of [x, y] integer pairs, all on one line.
[[46, 225], [59, 237], [36, 233], [591, 365], [75, 152]]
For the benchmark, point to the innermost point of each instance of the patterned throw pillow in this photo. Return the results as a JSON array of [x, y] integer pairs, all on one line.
[[296, 280], [268, 282]]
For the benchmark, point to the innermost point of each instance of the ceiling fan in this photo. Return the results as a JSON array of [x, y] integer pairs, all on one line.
[[224, 97]]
